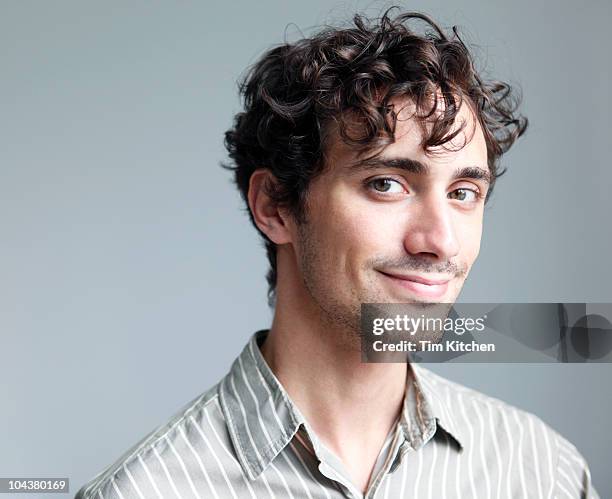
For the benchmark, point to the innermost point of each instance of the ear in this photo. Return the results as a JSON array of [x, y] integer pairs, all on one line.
[[269, 218]]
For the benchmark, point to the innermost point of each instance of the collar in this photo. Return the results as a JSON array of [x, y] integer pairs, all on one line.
[[262, 419], [425, 409]]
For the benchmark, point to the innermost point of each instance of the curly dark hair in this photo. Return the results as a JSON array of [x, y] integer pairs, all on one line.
[[297, 92]]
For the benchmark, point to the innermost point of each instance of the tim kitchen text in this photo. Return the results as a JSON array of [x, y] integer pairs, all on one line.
[[430, 346]]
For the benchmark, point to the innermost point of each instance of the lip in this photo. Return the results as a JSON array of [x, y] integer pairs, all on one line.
[[421, 286]]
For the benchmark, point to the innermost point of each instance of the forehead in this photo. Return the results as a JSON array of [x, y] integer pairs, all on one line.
[[468, 146]]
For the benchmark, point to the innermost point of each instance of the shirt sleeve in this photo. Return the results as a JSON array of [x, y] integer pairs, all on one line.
[[573, 478]]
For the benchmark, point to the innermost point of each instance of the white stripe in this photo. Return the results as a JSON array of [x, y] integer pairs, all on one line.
[[90, 487], [571, 452], [163, 465], [520, 453], [184, 468], [404, 474], [458, 471], [565, 491], [272, 465], [564, 459], [148, 473], [433, 466], [445, 472], [493, 433], [537, 460], [214, 454], [550, 461], [100, 494], [197, 457], [576, 484], [93, 484], [134, 484], [232, 457], [460, 457], [485, 464], [510, 458], [116, 488], [304, 485], [419, 470], [471, 445]]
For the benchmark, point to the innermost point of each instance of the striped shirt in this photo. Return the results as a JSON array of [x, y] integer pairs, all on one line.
[[244, 437]]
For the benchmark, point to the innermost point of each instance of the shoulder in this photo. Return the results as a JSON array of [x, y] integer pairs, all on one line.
[[514, 434], [132, 471], [473, 406]]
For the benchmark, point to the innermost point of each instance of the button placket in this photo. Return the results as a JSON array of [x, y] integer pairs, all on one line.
[[395, 450]]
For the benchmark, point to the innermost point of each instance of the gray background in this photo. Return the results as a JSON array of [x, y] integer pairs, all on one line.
[[130, 276]]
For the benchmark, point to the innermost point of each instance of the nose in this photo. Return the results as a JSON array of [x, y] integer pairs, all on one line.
[[430, 230]]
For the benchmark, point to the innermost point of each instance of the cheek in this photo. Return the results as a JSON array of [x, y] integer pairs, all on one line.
[[359, 229], [346, 233]]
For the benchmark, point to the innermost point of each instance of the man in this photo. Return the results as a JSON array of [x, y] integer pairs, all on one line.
[[365, 156]]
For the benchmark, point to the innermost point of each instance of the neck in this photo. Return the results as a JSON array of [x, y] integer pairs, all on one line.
[[339, 395]]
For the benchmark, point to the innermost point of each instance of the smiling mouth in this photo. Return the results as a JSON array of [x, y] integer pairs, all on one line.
[[419, 285]]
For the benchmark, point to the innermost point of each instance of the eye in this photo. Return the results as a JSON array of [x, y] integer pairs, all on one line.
[[386, 184], [466, 195]]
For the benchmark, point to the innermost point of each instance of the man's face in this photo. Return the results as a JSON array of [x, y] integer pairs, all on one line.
[[405, 227]]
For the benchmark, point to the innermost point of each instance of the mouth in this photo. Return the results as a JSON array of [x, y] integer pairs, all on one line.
[[418, 285]]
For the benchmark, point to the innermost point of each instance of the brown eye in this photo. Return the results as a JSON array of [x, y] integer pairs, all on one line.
[[463, 195], [386, 185]]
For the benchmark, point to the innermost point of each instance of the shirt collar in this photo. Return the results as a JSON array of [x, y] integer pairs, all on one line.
[[262, 419], [425, 409]]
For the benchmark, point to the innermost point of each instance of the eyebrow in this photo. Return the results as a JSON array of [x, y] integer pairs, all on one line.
[[418, 168]]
